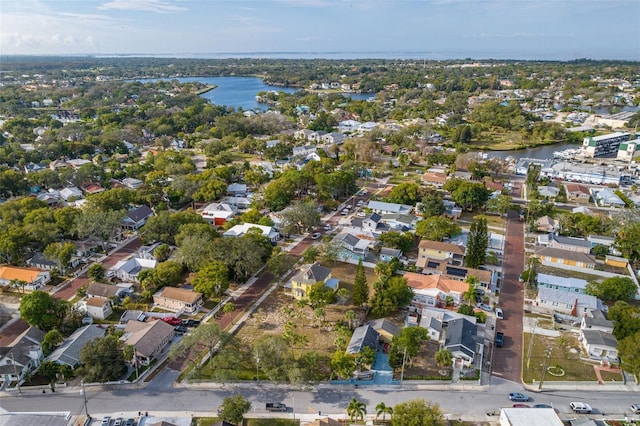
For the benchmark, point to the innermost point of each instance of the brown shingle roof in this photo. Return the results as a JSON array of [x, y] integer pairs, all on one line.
[[181, 294], [102, 290], [576, 256], [441, 246], [144, 336], [96, 301]]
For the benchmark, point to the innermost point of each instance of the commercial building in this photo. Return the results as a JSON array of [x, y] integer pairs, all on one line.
[[599, 146]]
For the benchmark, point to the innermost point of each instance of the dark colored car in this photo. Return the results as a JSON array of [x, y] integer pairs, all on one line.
[[499, 339], [181, 329], [542, 406], [521, 406]]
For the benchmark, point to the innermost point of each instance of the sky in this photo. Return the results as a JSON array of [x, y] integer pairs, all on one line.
[[429, 29]]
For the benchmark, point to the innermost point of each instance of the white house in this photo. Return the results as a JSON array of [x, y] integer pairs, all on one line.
[[240, 230], [303, 151], [128, 270], [568, 303], [600, 345], [34, 278], [386, 208], [218, 213]]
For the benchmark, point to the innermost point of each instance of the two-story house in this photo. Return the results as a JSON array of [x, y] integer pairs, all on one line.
[[136, 218], [438, 250], [178, 300], [352, 248], [434, 290], [309, 274], [22, 356], [218, 213]]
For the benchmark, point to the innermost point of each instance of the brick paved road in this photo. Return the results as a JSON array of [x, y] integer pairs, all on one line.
[[507, 361]]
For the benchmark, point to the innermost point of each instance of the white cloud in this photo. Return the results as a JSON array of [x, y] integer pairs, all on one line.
[[157, 6]]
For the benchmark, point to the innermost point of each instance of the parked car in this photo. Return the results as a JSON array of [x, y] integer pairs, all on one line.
[[190, 323], [316, 235], [580, 407], [518, 397], [181, 329], [480, 292], [118, 422], [106, 421], [484, 307], [327, 227], [542, 406], [172, 320], [635, 408], [130, 422], [361, 214], [499, 313], [275, 406], [521, 406], [344, 212], [499, 339]]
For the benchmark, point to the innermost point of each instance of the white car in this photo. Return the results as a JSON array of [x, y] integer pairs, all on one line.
[[499, 313], [327, 227], [316, 235], [580, 407]]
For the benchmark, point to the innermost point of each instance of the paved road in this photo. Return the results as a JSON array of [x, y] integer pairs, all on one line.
[[469, 405], [507, 361], [69, 291]]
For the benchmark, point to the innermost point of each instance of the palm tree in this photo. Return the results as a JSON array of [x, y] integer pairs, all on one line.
[[443, 357], [383, 409], [351, 317], [356, 410], [471, 294]]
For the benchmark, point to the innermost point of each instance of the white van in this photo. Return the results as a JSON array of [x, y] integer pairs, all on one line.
[[580, 407], [499, 313]]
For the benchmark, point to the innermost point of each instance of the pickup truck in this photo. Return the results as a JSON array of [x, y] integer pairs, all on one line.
[[499, 339], [276, 406]]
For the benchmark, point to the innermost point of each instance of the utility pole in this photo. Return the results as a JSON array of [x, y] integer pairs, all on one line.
[[258, 370], [533, 333], [544, 367], [84, 395], [15, 373], [404, 357]]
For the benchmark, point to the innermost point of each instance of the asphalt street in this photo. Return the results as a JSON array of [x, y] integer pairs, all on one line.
[[161, 396]]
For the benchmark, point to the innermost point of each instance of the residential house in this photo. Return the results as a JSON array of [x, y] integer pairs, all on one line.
[[316, 136], [178, 300], [132, 183], [34, 168], [580, 245], [604, 240], [302, 134], [387, 254], [600, 345], [69, 352], [76, 163], [564, 302], [104, 291], [485, 278], [58, 165], [240, 203], [571, 285], [435, 179], [577, 192], [128, 270], [438, 250], [303, 151], [605, 197], [371, 221], [92, 188], [583, 210], [381, 207], [385, 329], [97, 307], [595, 320], [309, 274], [136, 218], [22, 356], [435, 320], [434, 290], [548, 191], [363, 336], [352, 248], [552, 256], [461, 339], [240, 230], [348, 126], [71, 194], [218, 213], [399, 222], [546, 224], [147, 338], [452, 210], [367, 127], [40, 261], [334, 138], [147, 252], [50, 199], [237, 189], [34, 278]]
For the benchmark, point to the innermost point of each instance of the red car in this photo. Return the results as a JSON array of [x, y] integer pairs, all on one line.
[[172, 320], [521, 406]]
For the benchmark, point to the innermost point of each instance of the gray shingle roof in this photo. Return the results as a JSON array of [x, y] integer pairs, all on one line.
[[363, 336], [69, 352], [600, 338], [565, 254], [461, 336]]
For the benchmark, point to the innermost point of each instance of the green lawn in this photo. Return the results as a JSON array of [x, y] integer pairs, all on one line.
[[561, 355]]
